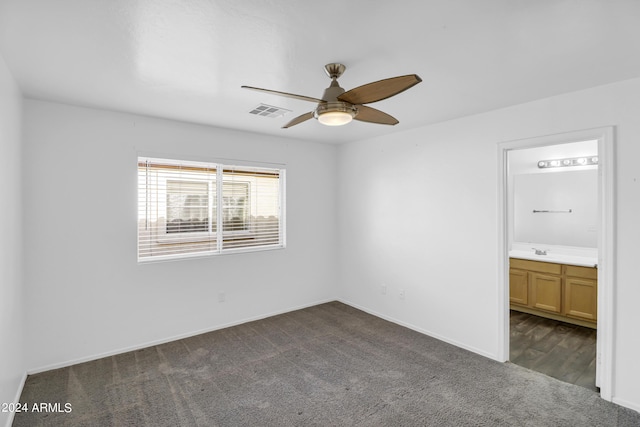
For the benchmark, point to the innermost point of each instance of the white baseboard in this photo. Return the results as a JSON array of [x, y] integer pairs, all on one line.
[[23, 380], [626, 404], [424, 331], [67, 363]]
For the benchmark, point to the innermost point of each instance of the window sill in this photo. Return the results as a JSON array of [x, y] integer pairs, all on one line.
[[208, 254]]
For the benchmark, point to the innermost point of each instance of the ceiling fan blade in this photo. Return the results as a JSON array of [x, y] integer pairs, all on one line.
[[379, 90], [288, 95], [303, 118], [371, 115]]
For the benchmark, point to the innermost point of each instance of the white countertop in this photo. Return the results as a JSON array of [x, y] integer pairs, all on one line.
[[559, 258]]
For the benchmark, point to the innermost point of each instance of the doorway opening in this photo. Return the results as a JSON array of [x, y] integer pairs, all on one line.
[[555, 241]]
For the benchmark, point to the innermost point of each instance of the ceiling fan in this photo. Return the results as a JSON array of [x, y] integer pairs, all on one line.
[[338, 107]]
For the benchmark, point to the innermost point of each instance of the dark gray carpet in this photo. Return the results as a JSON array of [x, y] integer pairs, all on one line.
[[328, 365]]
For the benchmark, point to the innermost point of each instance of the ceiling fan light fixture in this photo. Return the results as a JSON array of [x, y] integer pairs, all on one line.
[[335, 118], [335, 113]]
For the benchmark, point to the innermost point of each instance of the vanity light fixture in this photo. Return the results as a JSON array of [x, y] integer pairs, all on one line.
[[573, 161]]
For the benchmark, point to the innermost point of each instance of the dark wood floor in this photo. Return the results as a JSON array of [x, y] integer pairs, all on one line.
[[561, 350]]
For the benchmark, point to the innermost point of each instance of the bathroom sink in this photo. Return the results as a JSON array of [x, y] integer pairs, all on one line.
[[559, 258]]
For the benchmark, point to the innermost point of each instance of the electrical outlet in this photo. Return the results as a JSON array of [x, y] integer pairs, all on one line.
[[401, 293], [221, 296], [383, 289]]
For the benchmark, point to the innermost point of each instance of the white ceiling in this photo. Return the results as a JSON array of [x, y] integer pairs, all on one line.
[[187, 59]]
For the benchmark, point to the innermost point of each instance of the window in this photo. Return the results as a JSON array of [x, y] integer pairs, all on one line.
[[178, 213]]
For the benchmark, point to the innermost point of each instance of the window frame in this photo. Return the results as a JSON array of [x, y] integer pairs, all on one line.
[[216, 235]]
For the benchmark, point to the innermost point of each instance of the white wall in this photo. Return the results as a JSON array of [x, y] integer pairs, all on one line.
[[418, 212], [11, 291], [86, 294]]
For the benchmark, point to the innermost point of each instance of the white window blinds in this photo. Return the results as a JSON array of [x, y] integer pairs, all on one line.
[[178, 213]]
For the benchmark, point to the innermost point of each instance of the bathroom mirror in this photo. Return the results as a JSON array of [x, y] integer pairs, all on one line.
[[559, 208]]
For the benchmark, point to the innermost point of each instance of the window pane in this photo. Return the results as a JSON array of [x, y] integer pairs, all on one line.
[[174, 216], [252, 208]]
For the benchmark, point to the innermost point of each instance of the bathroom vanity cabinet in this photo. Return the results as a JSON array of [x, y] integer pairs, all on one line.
[[558, 291]]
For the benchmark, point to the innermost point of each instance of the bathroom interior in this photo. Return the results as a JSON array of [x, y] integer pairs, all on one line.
[[553, 257]]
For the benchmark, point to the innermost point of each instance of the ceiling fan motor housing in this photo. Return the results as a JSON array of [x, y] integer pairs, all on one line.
[[340, 112]]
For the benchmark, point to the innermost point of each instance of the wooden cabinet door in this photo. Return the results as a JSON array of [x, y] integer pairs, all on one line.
[[546, 292], [581, 298], [518, 287]]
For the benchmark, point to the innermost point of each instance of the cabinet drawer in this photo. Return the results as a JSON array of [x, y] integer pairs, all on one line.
[[542, 267], [583, 272]]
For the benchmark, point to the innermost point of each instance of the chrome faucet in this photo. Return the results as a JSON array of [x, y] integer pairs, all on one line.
[[540, 251]]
